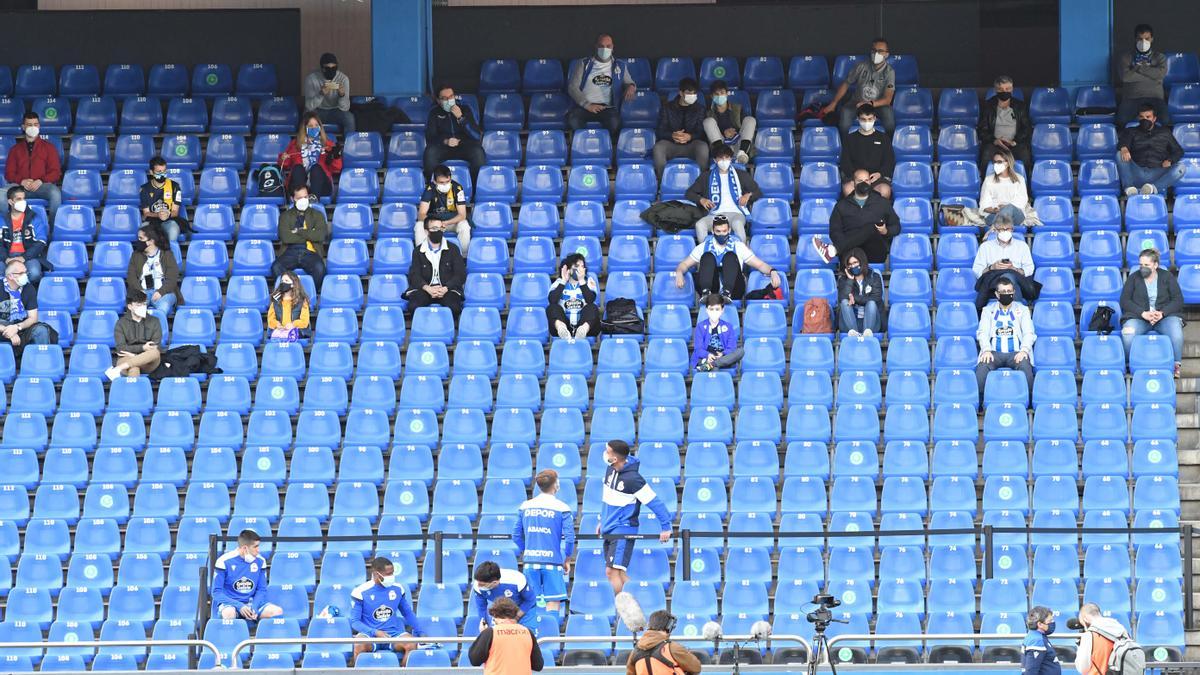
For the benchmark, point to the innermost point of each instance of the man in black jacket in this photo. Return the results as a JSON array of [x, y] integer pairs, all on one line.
[[1004, 124], [681, 128], [871, 150], [437, 273], [1148, 156], [451, 132], [863, 219], [724, 190]]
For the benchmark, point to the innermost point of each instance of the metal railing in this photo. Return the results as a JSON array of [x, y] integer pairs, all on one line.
[[190, 643]]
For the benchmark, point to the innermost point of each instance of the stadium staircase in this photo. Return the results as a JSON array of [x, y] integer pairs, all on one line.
[[1187, 416]]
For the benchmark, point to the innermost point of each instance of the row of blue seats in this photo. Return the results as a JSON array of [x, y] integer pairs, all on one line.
[[103, 115], [130, 79]]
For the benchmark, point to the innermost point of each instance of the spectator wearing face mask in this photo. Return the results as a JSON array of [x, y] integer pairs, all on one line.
[[1004, 191], [1148, 156], [725, 191], [153, 270], [875, 83], [721, 259], [327, 93], [1004, 125], [863, 219], [137, 339], [1002, 256], [860, 296], [19, 310], [302, 235], [451, 132], [591, 86], [681, 128], [870, 150], [311, 160], [1152, 302], [437, 273], [445, 201], [33, 164], [288, 313], [727, 124], [1141, 73], [571, 306], [160, 200], [1005, 336], [23, 235], [715, 340]]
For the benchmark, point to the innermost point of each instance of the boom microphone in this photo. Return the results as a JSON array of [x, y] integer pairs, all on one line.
[[760, 630], [711, 630], [630, 612]]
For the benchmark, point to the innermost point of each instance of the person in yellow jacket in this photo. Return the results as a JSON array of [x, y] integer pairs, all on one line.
[[289, 309], [506, 647], [656, 654]]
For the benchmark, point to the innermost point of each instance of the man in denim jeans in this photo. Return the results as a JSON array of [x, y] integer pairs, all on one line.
[[1148, 156]]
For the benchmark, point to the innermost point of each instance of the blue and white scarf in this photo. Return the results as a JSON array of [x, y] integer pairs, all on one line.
[[711, 245], [735, 189]]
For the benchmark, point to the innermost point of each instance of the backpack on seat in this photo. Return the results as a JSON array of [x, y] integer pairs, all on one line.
[[270, 180], [621, 318], [818, 318]]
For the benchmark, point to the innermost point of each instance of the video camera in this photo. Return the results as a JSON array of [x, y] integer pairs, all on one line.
[[821, 617]]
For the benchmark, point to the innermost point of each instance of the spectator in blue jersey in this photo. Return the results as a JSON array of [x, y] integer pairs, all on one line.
[[1037, 654], [625, 491], [598, 84], [493, 583], [1006, 337], [571, 307], [381, 608], [545, 536], [239, 588], [715, 342]]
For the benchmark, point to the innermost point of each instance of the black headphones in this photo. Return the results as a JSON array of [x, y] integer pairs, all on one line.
[[671, 624]]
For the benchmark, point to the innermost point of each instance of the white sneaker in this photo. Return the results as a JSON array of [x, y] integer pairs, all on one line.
[[824, 250], [1149, 189], [564, 332], [1130, 191], [852, 333], [867, 333], [742, 157]]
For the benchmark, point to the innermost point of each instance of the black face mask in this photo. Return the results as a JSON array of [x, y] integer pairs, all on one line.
[[284, 289], [1146, 124], [435, 237], [1003, 95], [329, 73], [1005, 298], [854, 271], [862, 189], [139, 245]]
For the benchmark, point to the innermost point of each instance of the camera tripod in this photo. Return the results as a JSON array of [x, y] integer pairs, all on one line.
[[819, 646]]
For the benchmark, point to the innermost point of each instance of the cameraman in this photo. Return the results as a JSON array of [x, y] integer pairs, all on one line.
[[1100, 633], [571, 306], [656, 654], [1037, 654]]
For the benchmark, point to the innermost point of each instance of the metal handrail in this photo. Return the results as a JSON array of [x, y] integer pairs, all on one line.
[[926, 637], [205, 644], [679, 638]]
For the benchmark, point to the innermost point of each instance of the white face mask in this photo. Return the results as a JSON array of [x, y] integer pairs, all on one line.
[[866, 126], [999, 167], [139, 311], [249, 557], [604, 53], [689, 98], [388, 580], [32, 132], [878, 58], [609, 460], [19, 206], [1143, 46], [302, 204], [724, 164], [443, 187], [1005, 236], [22, 279], [714, 317]]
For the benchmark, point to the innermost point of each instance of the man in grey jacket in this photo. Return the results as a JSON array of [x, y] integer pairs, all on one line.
[[1141, 73], [597, 84], [327, 92]]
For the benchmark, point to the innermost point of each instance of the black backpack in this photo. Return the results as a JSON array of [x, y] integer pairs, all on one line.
[[621, 317], [1101, 321], [270, 180]]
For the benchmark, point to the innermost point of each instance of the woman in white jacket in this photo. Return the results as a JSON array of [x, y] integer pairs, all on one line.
[[1004, 190]]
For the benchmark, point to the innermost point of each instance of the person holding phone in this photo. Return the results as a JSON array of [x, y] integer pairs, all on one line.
[[311, 159], [327, 93], [153, 269], [137, 337], [571, 306]]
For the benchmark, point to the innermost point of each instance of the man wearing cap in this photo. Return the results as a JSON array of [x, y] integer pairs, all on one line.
[[327, 93]]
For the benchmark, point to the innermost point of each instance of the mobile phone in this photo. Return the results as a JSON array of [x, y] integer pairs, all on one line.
[[1006, 261]]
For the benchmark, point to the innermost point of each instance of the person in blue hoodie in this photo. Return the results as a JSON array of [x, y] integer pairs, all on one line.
[[715, 341], [492, 583], [625, 491], [545, 536], [1037, 654], [381, 608]]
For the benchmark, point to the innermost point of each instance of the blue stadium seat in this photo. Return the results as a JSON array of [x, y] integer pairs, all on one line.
[[1096, 141], [542, 75], [212, 80], [958, 106], [958, 178], [957, 141], [276, 115], [1098, 176], [1098, 96], [1052, 141], [499, 75], [912, 179]]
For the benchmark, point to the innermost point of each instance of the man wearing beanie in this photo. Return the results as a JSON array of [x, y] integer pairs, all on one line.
[[327, 93]]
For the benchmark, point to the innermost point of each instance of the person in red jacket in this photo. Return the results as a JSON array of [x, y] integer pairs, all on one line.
[[34, 165], [311, 159]]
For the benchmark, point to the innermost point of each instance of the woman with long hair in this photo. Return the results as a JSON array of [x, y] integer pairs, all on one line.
[[1004, 190], [311, 159], [288, 313]]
